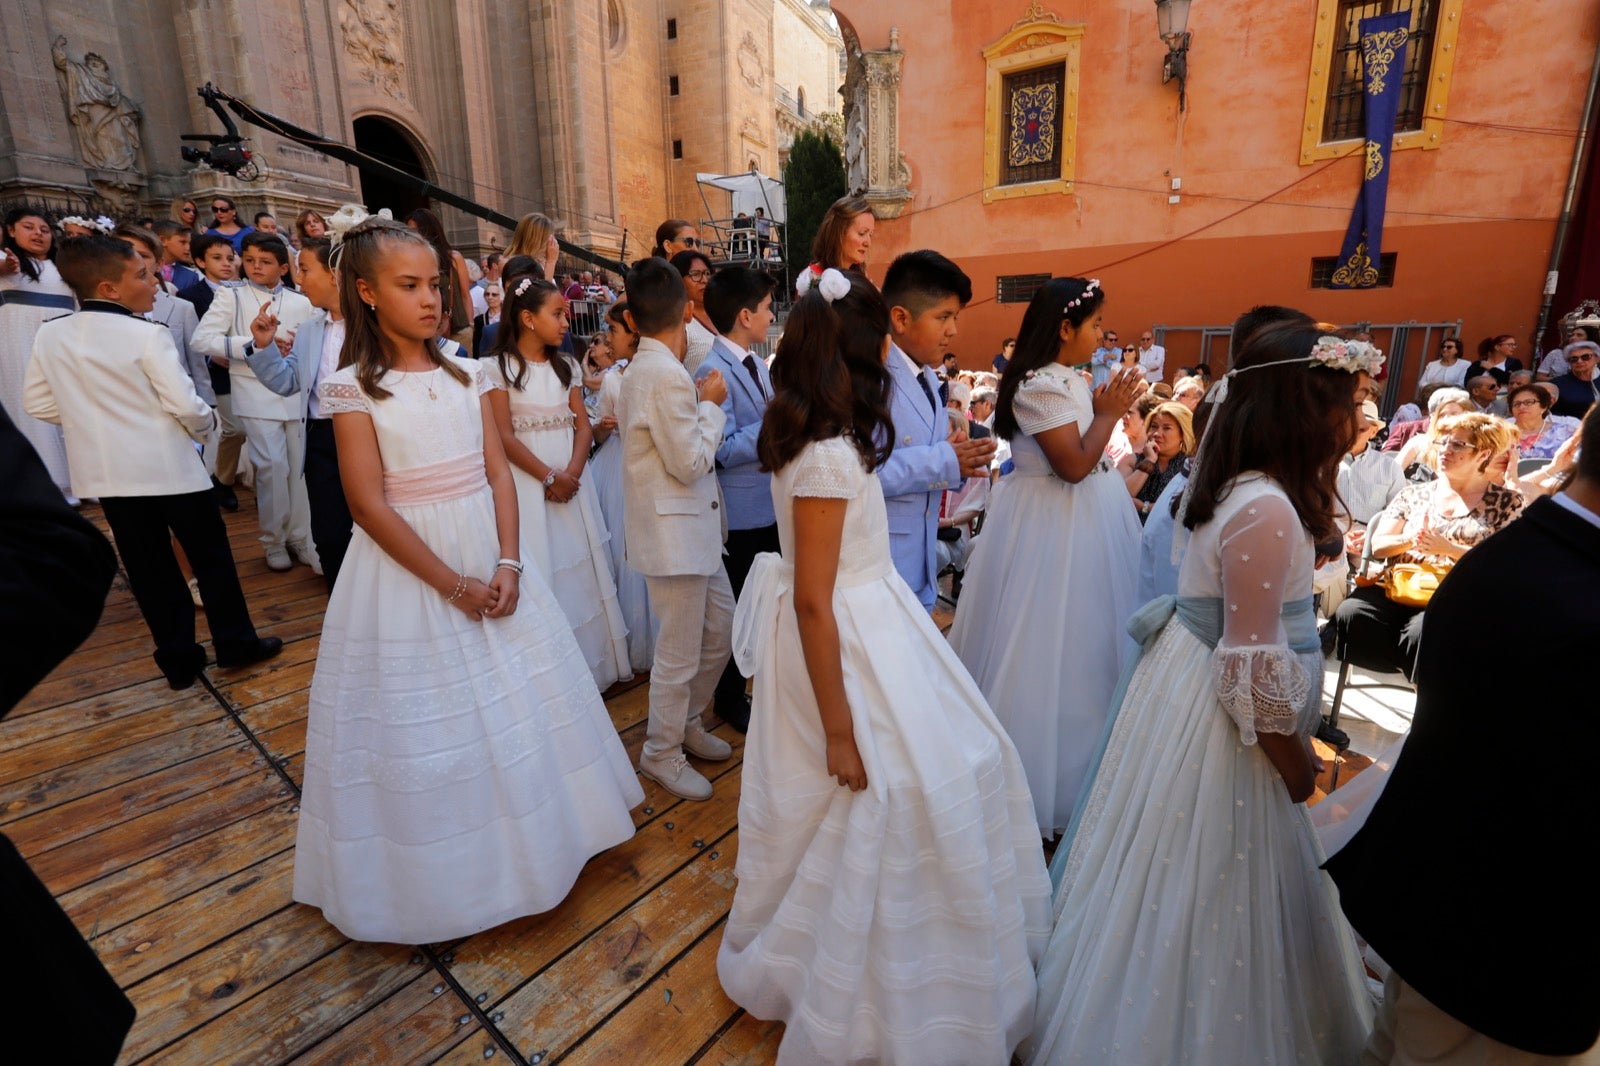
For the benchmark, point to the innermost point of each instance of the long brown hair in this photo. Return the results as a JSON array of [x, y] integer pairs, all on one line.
[[507, 352], [834, 225], [828, 378], [1291, 422], [360, 255], [1039, 340]]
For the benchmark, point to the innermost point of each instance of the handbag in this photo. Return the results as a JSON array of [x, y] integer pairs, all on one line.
[[1412, 584]]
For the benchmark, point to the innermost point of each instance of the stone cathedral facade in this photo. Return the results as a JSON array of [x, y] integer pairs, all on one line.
[[595, 112]]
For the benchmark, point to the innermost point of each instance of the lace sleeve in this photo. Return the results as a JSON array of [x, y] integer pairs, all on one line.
[[337, 397], [830, 469], [1044, 402], [486, 377], [1259, 680]]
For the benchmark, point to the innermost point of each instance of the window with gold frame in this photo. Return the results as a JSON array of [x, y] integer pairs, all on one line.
[[1335, 67], [1031, 110]]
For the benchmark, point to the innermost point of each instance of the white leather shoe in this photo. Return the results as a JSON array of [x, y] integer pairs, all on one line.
[[674, 774], [278, 560], [702, 745]]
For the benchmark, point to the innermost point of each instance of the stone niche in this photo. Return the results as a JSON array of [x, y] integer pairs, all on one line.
[[874, 165]]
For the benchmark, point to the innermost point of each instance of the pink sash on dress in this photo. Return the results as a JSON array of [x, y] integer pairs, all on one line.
[[436, 482]]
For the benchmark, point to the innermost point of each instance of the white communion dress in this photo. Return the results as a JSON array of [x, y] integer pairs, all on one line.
[[1050, 586], [25, 305], [605, 468], [1193, 923], [458, 773], [898, 925], [568, 540]]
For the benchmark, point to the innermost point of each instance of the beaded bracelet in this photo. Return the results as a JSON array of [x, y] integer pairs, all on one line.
[[509, 564], [461, 589]]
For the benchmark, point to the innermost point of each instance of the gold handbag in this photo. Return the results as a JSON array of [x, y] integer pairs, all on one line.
[[1412, 584]]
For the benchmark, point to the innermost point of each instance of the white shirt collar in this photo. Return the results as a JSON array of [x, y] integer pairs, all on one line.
[[1563, 500]]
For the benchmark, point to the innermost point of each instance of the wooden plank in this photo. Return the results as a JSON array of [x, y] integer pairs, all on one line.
[[264, 717], [418, 1023], [61, 749], [670, 1019], [154, 941], [749, 1041], [41, 792], [269, 684], [217, 980], [38, 833], [144, 886], [499, 960], [286, 741], [558, 1007], [22, 728], [85, 860], [295, 1013]]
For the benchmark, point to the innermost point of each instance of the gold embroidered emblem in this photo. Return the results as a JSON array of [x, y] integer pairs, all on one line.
[[1377, 52], [1357, 271], [1374, 159]]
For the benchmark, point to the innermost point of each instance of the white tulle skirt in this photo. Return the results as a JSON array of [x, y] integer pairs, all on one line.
[[458, 773], [605, 469], [898, 925]]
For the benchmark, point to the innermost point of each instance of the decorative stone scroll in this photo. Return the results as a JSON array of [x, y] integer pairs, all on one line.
[[372, 35]]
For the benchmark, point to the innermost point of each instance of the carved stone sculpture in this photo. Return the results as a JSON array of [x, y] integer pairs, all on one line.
[[372, 34], [104, 121]]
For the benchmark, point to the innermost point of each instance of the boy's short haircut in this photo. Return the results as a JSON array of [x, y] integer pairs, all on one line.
[[169, 227], [491, 259], [84, 262], [204, 243], [129, 232], [918, 280], [267, 242], [656, 296], [734, 289], [319, 247]]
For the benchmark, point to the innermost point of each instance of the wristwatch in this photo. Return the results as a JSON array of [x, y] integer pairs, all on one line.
[[550, 478]]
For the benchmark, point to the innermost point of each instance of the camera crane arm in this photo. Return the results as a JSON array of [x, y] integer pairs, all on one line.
[[215, 98]]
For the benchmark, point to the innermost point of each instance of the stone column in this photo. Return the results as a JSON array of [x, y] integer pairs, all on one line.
[[888, 178]]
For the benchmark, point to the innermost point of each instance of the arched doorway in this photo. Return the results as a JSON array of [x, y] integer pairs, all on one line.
[[385, 141]]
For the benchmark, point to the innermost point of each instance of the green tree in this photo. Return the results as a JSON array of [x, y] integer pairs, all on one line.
[[813, 179]]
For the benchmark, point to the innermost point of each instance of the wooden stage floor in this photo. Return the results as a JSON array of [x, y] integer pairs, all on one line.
[[164, 823]]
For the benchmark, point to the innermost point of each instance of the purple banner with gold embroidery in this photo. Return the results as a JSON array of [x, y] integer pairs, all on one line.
[[1383, 60]]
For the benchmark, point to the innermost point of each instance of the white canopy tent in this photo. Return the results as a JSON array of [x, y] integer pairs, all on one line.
[[750, 190]]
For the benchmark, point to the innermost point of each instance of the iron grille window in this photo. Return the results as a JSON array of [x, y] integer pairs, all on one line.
[[672, 29], [1030, 148], [1019, 288], [1344, 118], [1323, 266]]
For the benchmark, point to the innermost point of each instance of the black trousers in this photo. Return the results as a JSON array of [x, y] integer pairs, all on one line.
[[742, 548], [1374, 632], [143, 528], [331, 523]]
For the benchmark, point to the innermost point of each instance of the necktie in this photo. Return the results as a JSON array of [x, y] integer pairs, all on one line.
[[755, 373], [927, 391]]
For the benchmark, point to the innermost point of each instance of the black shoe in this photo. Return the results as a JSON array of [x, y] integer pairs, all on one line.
[[263, 648], [224, 495], [182, 669], [737, 715], [1332, 735]]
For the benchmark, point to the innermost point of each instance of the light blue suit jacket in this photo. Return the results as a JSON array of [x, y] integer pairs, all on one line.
[[921, 467], [746, 489]]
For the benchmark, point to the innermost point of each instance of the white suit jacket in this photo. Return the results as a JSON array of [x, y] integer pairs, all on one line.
[[113, 382], [674, 523], [225, 330], [181, 321]]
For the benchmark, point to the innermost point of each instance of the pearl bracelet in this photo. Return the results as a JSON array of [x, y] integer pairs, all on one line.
[[460, 591]]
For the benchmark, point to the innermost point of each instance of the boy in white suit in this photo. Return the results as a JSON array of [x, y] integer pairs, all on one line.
[[113, 382], [675, 526], [273, 430]]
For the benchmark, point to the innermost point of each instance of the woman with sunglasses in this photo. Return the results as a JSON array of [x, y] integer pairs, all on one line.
[[225, 222], [1449, 369], [1579, 387], [184, 210], [673, 236]]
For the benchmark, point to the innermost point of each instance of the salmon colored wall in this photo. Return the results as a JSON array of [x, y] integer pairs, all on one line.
[[1472, 221]]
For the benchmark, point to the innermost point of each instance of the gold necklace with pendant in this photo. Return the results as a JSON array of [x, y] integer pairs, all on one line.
[[425, 378]]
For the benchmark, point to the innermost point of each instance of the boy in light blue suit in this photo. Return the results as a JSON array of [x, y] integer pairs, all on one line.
[[739, 301], [925, 293]]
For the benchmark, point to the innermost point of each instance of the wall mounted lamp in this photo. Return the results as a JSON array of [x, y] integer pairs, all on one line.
[[1172, 22]]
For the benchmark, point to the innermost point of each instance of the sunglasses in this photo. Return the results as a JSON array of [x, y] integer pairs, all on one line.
[[222, 210], [186, 211], [687, 242]]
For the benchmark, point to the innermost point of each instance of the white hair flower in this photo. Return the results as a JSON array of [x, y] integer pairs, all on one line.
[[101, 225], [1348, 355], [348, 218], [833, 284]]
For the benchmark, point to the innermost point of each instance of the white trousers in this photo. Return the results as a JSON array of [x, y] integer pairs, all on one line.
[[278, 452], [692, 647]]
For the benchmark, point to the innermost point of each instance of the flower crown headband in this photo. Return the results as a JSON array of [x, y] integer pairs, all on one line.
[[1089, 290], [832, 284], [102, 225], [1335, 353], [345, 222]]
